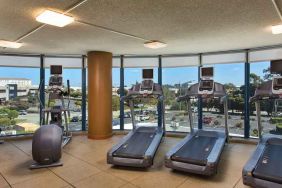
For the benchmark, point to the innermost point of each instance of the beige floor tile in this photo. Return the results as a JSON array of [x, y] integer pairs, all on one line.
[[240, 184], [75, 173], [227, 166], [19, 171], [217, 181], [69, 160], [101, 180], [11, 154], [24, 145], [125, 173], [77, 149], [101, 164], [163, 179], [43, 181], [95, 155], [244, 148], [129, 185], [3, 182]]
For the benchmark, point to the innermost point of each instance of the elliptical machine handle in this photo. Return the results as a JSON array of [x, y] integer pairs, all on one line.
[[38, 96]]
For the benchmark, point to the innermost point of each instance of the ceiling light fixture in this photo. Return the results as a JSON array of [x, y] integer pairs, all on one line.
[[276, 29], [154, 44], [54, 18], [9, 44]]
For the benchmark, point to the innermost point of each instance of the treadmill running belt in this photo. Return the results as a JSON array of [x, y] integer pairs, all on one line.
[[136, 146], [269, 166], [195, 151]]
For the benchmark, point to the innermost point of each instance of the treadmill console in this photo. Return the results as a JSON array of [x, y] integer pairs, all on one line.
[[147, 85], [277, 85], [206, 85], [276, 69]]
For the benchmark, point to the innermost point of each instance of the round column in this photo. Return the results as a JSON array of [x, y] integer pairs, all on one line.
[[99, 94]]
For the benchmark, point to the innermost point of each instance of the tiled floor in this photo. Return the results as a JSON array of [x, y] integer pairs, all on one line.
[[85, 166]]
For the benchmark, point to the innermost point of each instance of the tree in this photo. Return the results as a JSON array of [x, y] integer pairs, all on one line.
[[12, 114], [115, 103], [78, 103]]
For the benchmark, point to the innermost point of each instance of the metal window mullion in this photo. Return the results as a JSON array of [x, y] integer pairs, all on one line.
[[121, 90]]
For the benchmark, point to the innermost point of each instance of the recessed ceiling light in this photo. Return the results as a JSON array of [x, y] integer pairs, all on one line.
[[276, 29], [54, 18], [9, 44], [154, 44]]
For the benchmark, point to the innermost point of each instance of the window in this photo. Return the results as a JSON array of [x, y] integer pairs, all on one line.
[[270, 116], [19, 106], [74, 76], [175, 83], [232, 76], [145, 112], [116, 97]]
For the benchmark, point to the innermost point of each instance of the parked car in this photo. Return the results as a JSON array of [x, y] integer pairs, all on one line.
[[142, 117], [126, 115], [77, 110], [75, 119], [115, 122], [22, 112], [207, 120]]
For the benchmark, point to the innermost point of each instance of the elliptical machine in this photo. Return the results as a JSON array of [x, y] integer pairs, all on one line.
[[52, 135]]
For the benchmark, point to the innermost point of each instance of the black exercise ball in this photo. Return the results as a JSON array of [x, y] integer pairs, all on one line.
[[47, 144]]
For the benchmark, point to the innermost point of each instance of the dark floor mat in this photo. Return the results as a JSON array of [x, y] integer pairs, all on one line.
[[195, 151], [269, 166], [136, 146]]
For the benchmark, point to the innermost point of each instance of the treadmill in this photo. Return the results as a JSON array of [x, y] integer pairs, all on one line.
[[264, 168], [199, 152], [138, 147]]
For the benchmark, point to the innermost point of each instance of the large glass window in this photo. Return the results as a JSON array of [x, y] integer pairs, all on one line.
[[116, 97], [146, 111], [175, 83], [232, 76], [19, 106], [271, 116], [74, 76]]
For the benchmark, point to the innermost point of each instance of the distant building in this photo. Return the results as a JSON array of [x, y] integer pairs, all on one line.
[[15, 87], [174, 90]]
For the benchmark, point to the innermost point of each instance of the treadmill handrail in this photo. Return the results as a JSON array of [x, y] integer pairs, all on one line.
[[218, 94], [132, 94], [140, 96]]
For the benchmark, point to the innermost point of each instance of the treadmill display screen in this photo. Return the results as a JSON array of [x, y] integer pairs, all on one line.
[[277, 83], [206, 85], [276, 67], [207, 71], [148, 73], [56, 69]]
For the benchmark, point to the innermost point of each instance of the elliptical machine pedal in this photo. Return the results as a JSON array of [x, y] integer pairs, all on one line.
[[38, 165]]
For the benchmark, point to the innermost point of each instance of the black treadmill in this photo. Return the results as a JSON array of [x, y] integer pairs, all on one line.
[[199, 152], [264, 168], [138, 147]]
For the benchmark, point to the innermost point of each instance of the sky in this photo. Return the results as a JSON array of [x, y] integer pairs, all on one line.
[[224, 73]]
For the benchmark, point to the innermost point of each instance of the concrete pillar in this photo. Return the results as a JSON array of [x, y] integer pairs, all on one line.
[[99, 94]]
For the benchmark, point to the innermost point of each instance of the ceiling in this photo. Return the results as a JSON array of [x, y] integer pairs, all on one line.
[[187, 26]]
